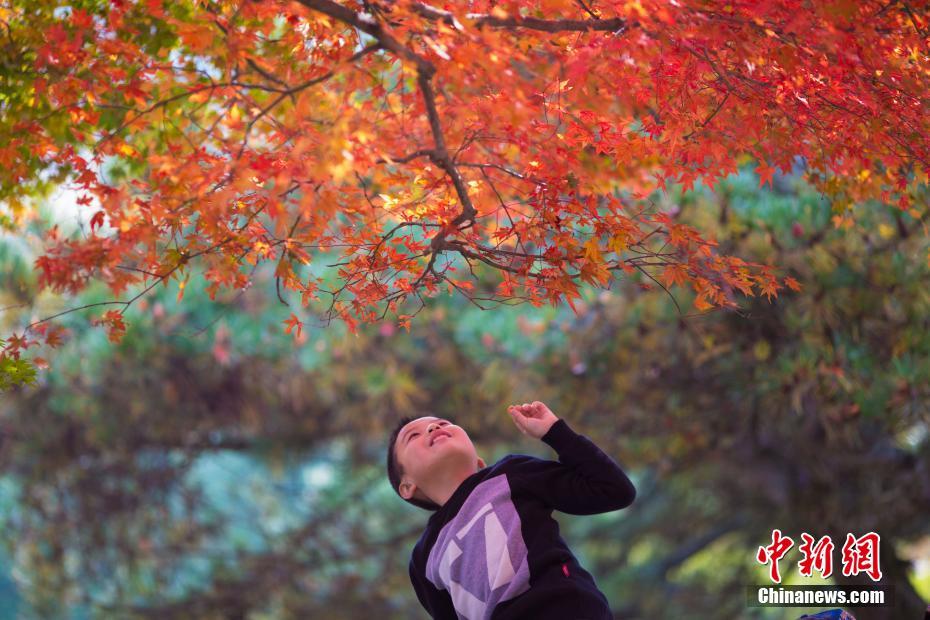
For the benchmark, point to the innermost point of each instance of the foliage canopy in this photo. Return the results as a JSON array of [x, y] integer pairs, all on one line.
[[412, 143]]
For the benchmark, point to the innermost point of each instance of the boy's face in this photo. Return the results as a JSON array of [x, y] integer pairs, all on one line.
[[429, 449]]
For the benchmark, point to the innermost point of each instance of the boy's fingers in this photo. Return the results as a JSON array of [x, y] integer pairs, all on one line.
[[527, 410], [516, 421]]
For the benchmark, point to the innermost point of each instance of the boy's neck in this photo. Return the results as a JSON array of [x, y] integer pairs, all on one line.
[[444, 484]]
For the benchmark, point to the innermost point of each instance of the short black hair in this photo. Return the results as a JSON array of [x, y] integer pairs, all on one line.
[[395, 470]]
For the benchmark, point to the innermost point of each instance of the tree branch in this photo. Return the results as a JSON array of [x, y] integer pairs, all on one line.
[[531, 23]]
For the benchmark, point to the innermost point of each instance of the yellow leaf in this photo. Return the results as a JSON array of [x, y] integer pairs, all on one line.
[[617, 243], [389, 201], [181, 286], [762, 350], [591, 251], [199, 97]]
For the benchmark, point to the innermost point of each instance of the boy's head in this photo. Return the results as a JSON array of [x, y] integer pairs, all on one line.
[[415, 458]]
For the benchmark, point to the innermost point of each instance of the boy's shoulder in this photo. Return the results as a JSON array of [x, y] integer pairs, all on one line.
[[507, 464]]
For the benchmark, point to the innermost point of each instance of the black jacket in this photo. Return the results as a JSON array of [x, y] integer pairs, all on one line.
[[493, 551]]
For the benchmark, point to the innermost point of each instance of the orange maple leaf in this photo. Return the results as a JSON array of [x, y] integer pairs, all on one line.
[[293, 322]]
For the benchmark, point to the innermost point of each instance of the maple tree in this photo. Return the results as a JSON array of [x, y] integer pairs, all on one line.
[[415, 142]]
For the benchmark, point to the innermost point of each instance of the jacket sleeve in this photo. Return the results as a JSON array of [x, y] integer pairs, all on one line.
[[585, 481], [436, 602]]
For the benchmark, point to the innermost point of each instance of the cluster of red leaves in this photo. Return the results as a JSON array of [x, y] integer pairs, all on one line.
[[415, 142]]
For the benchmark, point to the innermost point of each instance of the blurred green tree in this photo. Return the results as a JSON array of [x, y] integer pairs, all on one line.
[[808, 414]]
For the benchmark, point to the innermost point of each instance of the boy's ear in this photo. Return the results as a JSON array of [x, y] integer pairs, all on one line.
[[481, 463], [407, 489]]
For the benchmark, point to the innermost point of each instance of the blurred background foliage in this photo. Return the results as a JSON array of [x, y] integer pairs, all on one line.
[[209, 467]]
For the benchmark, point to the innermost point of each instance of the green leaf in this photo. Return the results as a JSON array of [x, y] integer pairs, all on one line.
[[15, 372]]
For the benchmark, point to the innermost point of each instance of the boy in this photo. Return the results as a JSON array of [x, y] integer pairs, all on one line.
[[491, 550]]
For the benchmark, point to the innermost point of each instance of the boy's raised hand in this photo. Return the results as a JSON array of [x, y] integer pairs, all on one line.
[[533, 419]]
